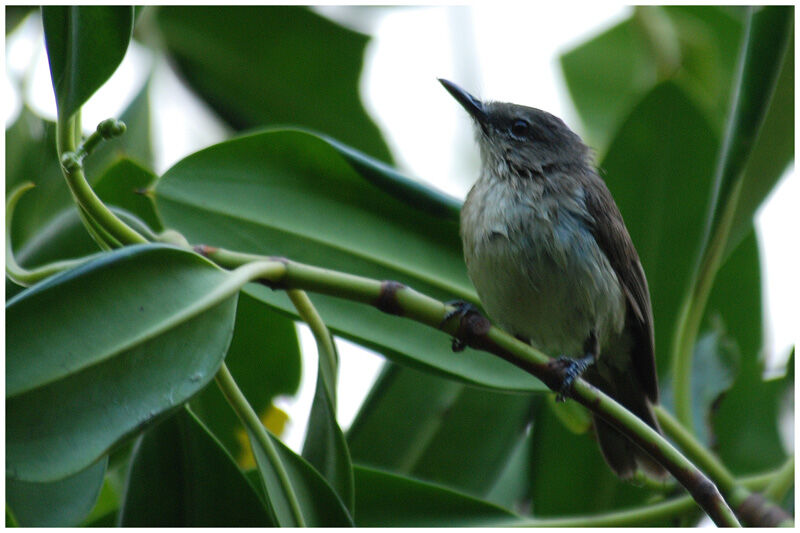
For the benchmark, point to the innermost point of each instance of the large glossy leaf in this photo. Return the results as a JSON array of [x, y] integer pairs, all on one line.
[[452, 425], [181, 476], [317, 502], [62, 503], [264, 359], [389, 500], [259, 65], [130, 335], [660, 178], [313, 200], [85, 45]]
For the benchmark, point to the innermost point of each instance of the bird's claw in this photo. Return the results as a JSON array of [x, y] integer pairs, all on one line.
[[463, 310], [573, 369]]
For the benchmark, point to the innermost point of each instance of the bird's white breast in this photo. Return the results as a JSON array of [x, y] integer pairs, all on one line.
[[538, 269]]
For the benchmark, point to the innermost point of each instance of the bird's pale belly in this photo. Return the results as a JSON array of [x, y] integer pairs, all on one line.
[[552, 292]]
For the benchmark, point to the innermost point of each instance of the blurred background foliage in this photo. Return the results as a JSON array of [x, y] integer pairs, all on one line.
[[441, 439]]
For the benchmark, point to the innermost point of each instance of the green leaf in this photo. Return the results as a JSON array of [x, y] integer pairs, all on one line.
[[512, 488], [772, 152], [692, 46], [454, 425], [766, 41], [85, 45], [389, 500], [264, 358], [181, 476], [325, 446], [124, 184], [626, 71], [569, 475], [294, 194], [129, 336], [62, 503], [318, 503], [709, 39], [105, 511], [660, 178], [714, 367], [714, 364], [746, 423], [259, 65]]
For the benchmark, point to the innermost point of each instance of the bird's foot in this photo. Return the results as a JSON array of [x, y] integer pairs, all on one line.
[[572, 369], [471, 323]]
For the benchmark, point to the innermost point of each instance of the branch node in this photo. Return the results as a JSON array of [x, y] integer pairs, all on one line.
[[387, 299]]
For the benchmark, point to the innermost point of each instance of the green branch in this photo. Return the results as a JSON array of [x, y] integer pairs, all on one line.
[[751, 508], [394, 298]]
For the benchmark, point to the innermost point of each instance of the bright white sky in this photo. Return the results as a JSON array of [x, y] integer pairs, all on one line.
[[504, 52]]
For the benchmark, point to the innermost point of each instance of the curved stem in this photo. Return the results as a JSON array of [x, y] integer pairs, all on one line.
[[250, 420], [82, 192], [693, 309], [16, 272], [782, 482], [327, 350]]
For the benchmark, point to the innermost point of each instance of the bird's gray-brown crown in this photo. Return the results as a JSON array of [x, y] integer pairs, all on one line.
[[522, 139]]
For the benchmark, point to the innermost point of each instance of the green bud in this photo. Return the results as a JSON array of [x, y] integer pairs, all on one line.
[[111, 128]]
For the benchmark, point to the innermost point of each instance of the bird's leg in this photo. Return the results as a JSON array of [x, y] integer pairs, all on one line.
[[574, 368], [471, 322]]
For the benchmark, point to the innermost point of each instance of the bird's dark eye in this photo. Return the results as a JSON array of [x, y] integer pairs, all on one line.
[[520, 128]]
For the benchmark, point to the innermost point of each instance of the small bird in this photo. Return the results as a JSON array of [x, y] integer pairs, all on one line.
[[549, 254]]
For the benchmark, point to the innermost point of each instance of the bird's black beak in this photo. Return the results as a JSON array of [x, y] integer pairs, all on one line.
[[474, 107]]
